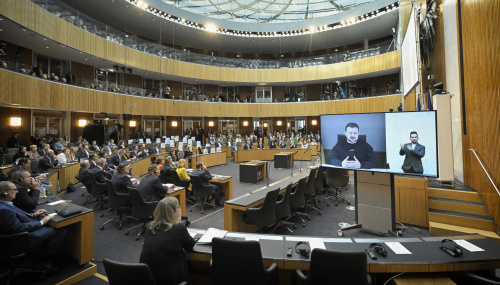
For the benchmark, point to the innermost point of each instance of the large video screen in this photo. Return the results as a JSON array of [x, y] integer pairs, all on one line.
[[401, 143]]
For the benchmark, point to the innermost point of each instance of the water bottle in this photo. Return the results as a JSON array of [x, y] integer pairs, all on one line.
[[48, 190]]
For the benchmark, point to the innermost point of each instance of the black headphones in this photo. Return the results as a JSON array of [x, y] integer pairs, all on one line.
[[303, 249], [454, 251], [168, 202], [378, 248]]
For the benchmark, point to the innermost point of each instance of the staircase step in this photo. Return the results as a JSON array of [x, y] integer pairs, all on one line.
[[447, 229], [462, 195], [461, 219], [457, 206]]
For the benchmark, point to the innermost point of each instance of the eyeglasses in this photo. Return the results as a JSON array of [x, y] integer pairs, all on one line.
[[13, 189]]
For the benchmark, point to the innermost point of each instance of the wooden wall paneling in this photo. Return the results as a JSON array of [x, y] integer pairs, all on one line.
[[404, 15], [482, 97], [212, 90], [313, 91], [77, 131], [132, 80], [6, 129], [311, 127], [410, 101]]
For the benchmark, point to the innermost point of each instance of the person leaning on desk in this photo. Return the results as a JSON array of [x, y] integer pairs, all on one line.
[[150, 186], [14, 220], [164, 244]]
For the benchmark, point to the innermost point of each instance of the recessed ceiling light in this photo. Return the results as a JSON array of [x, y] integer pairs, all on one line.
[[85, 59], [46, 47], [1, 30]]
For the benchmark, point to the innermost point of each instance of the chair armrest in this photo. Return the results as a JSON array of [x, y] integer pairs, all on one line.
[[369, 278], [299, 276], [273, 267], [151, 205]]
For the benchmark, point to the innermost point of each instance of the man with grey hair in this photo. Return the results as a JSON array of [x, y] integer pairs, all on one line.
[[98, 170], [27, 187], [14, 220], [118, 158], [48, 161], [44, 150], [84, 172]]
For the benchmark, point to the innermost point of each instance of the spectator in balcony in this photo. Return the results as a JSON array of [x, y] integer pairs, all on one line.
[[38, 71], [373, 90], [70, 78], [44, 76], [4, 65]]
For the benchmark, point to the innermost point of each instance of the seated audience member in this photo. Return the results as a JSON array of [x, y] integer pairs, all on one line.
[[292, 144], [145, 151], [119, 157], [36, 139], [93, 160], [205, 176], [121, 179], [122, 145], [84, 172], [22, 164], [62, 157], [169, 164], [156, 149], [94, 146], [272, 144], [14, 220], [72, 154], [13, 141], [164, 244], [21, 153], [181, 171], [83, 151], [174, 155], [150, 186], [159, 161], [108, 149], [248, 145], [33, 153], [313, 142], [136, 153], [43, 151], [98, 170], [48, 161], [28, 193], [188, 152]]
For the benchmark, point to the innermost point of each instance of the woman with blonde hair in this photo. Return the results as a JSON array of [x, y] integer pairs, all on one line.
[[165, 242], [181, 171], [33, 153]]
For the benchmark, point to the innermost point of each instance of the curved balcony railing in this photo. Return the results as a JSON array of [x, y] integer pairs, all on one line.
[[90, 25]]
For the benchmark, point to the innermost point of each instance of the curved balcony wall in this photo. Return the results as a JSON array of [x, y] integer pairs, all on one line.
[[32, 92], [33, 17]]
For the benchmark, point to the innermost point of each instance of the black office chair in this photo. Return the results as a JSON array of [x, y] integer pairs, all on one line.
[[108, 175], [88, 187], [310, 192], [177, 180], [319, 182], [333, 267], [298, 201], [34, 165], [7, 158], [239, 262], [264, 216], [14, 254], [166, 177], [116, 202], [141, 210], [200, 192], [336, 178], [120, 273], [99, 190], [283, 212]]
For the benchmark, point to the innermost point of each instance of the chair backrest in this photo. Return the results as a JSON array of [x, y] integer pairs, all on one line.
[[200, 190], [264, 216], [7, 158], [236, 262], [15, 245], [310, 190], [282, 208], [166, 176], [12, 150], [175, 177], [140, 209], [297, 198], [97, 188], [115, 199], [319, 181], [336, 177], [108, 175], [180, 155], [120, 273], [34, 165], [332, 267], [85, 183]]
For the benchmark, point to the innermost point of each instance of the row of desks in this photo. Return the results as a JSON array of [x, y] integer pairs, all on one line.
[[268, 154], [425, 253]]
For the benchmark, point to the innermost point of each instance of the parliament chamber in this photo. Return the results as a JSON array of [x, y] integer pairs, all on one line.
[[199, 80]]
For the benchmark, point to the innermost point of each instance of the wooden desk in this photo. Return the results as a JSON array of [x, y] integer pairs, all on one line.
[[283, 160], [211, 159], [249, 171], [180, 194], [6, 168], [225, 183], [67, 174], [140, 167], [268, 154], [79, 241]]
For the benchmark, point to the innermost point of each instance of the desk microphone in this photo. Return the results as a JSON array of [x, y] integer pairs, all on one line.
[[291, 172], [268, 172], [302, 160]]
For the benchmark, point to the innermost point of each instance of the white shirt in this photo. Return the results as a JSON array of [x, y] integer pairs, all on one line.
[[62, 158]]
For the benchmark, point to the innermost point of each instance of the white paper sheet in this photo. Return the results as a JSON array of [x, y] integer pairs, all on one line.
[[56, 202], [397, 247], [316, 243], [210, 234], [468, 246]]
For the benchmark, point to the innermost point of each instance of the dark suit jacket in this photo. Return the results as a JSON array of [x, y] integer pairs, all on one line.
[[133, 153], [85, 176], [99, 174], [117, 159], [46, 162], [247, 146], [120, 182], [413, 158], [204, 175], [151, 188], [163, 252], [42, 152], [95, 148], [82, 154], [26, 198]]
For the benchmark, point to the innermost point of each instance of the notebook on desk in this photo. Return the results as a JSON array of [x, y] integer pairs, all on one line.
[[210, 234]]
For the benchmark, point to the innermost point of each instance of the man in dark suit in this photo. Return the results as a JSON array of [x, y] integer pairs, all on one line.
[[48, 161], [94, 146], [118, 157], [14, 220], [150, 186], [205, 176], [28, 193], [13, 141], [45, 148], [136, 153], [218, 143], [156, 149], [248, 145], [121, 179], [413, 153], [98, 170], [84, 173]]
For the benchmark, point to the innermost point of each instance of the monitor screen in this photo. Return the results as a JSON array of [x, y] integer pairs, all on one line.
[[402, 142]]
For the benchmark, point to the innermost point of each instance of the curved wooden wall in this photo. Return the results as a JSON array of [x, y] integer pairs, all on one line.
[[41, 21], [32, 92]]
